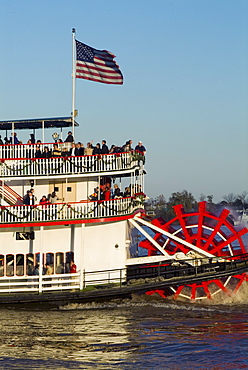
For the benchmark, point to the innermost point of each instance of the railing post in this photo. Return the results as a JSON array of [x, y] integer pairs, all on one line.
[[81, 282], [84, 285], [120, 277], [41, 259]]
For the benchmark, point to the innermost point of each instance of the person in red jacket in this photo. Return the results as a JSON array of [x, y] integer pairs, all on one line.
[[73, 267], [107, 193]]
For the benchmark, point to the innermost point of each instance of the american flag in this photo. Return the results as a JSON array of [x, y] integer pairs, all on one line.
[[97, 65]]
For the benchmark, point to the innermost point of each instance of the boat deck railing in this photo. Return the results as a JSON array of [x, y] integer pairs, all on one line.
[[12, 151], [194, 267], [16, 162], [124, 278], [69, 211], [61, 282]]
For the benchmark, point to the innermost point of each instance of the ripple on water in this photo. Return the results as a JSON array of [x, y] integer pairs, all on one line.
[[142, 333]]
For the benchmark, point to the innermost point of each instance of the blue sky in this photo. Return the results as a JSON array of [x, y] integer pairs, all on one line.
[[185, 92]]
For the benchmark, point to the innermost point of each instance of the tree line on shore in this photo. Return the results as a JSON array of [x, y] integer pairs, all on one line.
[[162, 208]]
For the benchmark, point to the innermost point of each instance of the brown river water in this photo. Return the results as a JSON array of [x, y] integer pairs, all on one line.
[[142, 333]]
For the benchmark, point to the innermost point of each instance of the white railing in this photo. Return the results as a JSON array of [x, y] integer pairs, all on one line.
[[28, 150], [60, 282], [69, 211], [67, 165], [36, 283]]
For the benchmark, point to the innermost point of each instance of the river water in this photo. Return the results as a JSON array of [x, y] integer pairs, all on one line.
[[142, 333]]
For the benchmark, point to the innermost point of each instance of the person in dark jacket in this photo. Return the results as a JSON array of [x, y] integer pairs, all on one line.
[[28, 199], [13, 139], [46, 153], [105, 149], [70, 138], [32, 138], [97, 149], [117, 191], [38, 153], [140, 148], [65, 153], [79, 151]]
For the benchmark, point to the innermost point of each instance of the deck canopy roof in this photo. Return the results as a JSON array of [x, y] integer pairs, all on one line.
[[38, 123]]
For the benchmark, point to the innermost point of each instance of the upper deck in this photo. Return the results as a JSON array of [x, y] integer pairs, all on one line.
[[57, 167], [19, 160]]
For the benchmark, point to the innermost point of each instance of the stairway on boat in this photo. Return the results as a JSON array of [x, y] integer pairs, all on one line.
[[9, 195]]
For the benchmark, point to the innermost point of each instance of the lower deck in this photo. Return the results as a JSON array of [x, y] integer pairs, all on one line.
[[85, 286], [92, 246]]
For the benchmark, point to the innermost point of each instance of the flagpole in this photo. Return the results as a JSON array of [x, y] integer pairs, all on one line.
[[73, 80]]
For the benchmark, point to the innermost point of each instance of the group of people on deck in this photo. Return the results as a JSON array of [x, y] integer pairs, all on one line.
[[74, 149], [48, 269], [30, 199], [108, 193]]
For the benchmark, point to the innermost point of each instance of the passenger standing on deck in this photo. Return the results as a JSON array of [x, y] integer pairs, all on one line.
[[105, 149], [35, 198], [117, 192], [43, 200], [107, 193], [140, 148], [97, 149], [14, 139], [32, 138], [79, 149], [79, 152], [38, 153], [88, 150], [72, 150], [56, 151], [49, 270], [73, 165], [70, 138], [29, 199], [53, 198], [26, 198], [46, 153], [73, 267]]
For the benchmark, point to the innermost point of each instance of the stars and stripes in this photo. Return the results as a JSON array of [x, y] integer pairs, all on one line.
[[97, 65]]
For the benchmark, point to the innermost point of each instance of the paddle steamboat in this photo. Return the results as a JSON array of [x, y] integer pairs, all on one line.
[[110, 242], [79, 243]]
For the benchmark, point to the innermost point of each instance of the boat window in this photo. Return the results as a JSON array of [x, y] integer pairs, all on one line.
[[37, 259], [50, 259], [1, 265], [10, 265], [59, 261], [69, 257], [30, 264], [19, 264]]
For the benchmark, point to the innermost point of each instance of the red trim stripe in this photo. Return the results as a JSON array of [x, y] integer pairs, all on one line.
[[66, 222]]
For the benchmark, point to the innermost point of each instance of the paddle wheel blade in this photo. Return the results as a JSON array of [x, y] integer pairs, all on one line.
[[207, 233]]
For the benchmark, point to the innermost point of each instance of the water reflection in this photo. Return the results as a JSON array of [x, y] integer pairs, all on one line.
[[145, 333], [65, 334]]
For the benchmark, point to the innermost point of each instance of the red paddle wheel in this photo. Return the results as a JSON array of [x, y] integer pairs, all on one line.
[[210, 234]]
